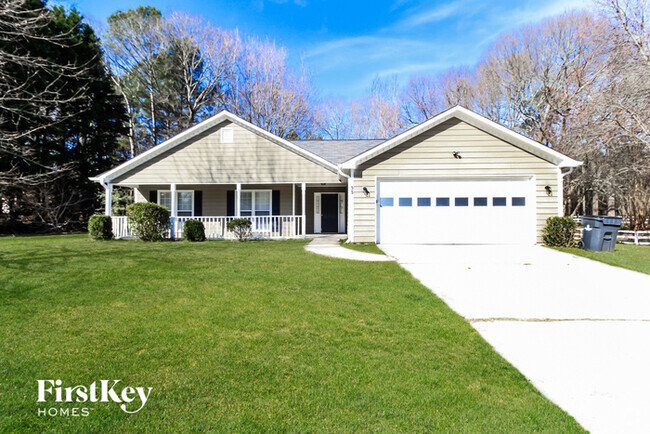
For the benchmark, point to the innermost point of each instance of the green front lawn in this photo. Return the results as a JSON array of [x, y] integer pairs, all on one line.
[[362, 247], [241, 337], [635, 258]]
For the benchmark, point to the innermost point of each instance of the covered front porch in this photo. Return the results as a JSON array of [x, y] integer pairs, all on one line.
[[276, 211]]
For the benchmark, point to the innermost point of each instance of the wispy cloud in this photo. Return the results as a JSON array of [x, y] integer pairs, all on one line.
[[535, 12], [424, 39], [514, 18], [433, 15], [371, 45]]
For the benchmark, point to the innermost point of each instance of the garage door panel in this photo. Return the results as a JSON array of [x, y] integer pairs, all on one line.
[[456, 212]]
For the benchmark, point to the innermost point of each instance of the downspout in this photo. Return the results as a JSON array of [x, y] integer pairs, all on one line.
[[560, 181], [349, 226], [340, 170]]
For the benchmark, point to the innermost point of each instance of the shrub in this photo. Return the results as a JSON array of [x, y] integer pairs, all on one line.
[[241, 228], [193, 230], [100, 227], [149, 221], [559, 232]]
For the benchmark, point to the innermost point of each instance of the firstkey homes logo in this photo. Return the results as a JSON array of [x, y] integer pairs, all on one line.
[[130, 399]]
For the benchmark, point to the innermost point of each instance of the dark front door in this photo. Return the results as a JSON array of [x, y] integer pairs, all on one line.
[[329, 220]]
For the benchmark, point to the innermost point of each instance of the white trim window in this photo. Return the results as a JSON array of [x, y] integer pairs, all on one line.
[[256, 203], [184, 201]]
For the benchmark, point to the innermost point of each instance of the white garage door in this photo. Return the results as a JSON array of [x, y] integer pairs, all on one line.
[[456, 212]]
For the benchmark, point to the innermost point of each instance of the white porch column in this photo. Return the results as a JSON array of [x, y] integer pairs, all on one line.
[[172, 212], [304, 211], [108, 208], [350, 223], [238, 201]]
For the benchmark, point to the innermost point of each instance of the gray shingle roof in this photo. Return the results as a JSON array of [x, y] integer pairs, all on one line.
[[337, 151]]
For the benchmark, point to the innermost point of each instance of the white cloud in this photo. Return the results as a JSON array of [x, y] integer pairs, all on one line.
[[433, 15], [368, 45], [425, 40], [515, 18]]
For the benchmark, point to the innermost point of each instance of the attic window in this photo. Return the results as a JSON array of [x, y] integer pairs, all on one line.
[[226, 135]]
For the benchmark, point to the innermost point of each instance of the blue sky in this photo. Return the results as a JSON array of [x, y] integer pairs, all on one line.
[[345, 44]]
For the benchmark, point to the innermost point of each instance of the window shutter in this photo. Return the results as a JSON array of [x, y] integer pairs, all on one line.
[[198, 203], [275, 202], [153, 196], [230, 202]]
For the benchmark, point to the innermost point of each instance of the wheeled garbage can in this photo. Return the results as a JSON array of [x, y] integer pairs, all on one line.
[[600, 233]]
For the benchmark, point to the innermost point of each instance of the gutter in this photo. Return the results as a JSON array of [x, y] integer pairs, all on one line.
[[568, 173], [340, 171]]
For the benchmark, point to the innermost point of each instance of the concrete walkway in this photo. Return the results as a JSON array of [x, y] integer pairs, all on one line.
[[578, 329], [328, 245]]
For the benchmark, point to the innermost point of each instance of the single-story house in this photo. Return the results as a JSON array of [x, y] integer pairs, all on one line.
[[455, 178]]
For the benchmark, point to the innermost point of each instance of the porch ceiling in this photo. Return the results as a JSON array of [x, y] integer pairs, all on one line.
[[243, 184]]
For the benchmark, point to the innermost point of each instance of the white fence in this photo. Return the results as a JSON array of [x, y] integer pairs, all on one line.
[[639, 238], [625, 222], [271, 227]]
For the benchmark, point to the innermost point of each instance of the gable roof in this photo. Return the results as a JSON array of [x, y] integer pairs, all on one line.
[[476, 120], [337, 151], [198, 129]]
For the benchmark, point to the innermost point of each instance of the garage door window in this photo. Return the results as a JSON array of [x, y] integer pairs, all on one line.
[[480, 201], [405, 201], [461, 201], [442, 201], [498, 201], [424, 201], [518, 201], [386, 201]]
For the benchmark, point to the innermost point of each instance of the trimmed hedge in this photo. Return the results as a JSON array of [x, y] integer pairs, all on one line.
[[559, 232], [149, 221], [100, 227], [193, 230], [241, 228]]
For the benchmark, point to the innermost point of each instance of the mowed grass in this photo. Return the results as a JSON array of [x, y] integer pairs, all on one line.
[[246, 337], [363, 247], [632, 257]]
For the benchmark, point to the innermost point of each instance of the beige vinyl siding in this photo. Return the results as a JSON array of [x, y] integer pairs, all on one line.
[[430, 154], [215, 202], [250, 158]]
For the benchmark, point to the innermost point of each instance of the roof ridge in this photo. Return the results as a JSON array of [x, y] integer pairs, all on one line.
[[335, 140]]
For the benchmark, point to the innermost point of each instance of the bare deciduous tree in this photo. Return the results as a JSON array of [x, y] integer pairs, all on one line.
[[333, 118], [205, 58], [269, 94], [27, 108], [132, 45]]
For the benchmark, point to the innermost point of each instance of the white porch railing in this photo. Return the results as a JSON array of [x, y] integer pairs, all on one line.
[[271, 227], [121, 227]]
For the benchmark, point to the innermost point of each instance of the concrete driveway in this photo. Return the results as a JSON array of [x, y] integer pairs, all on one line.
[[577, 328]]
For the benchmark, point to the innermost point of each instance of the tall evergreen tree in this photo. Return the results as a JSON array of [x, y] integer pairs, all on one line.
[[72, 129]]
